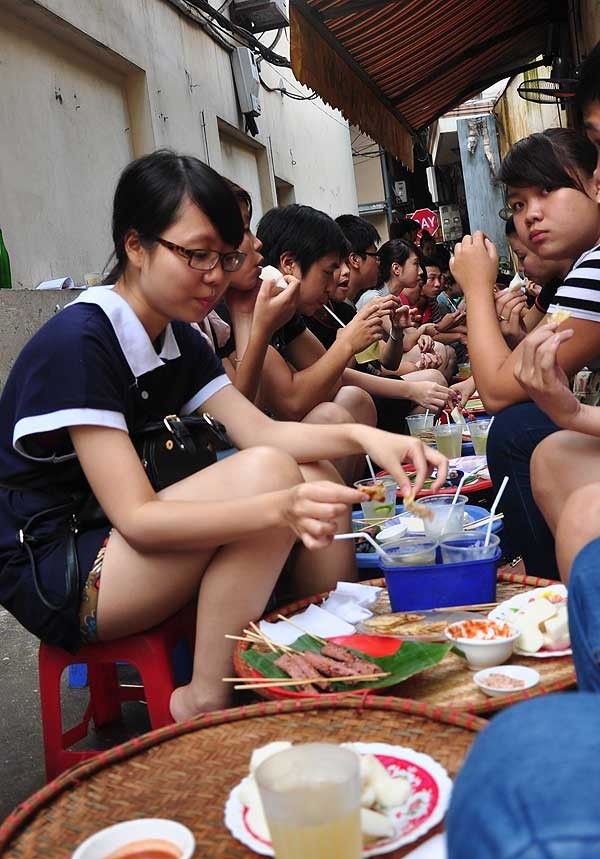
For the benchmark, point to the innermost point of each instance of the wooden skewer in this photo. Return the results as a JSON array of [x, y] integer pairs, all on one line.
[[270, 682], [264, 637], [472, 526], [483, 606], [256, 640], [302, 630]]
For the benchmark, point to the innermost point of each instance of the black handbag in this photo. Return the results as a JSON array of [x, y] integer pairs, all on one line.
[[175, 447], [170, 450]]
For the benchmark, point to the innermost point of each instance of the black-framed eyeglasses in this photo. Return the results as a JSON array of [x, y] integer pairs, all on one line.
[[205, 260]]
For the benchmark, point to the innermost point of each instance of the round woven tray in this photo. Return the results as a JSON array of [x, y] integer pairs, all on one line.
[[186, 771], [450, 683]]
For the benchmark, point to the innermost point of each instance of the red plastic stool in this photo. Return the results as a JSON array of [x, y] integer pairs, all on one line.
[[150, 652]]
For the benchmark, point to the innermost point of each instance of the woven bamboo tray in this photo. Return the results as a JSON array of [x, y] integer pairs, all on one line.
[[450, 683], [186, 771]]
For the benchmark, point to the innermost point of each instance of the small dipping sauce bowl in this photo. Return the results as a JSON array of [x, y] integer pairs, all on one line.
[[484, 642], [506, 679], [115, 838]]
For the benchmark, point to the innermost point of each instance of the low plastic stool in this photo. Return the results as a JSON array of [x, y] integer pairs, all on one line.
[[182, 663], [151, 652]]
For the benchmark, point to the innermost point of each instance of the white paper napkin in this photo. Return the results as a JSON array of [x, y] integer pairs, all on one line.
[[364, 595], [57, 283], [349, 601], [313, 619], [345, 607]]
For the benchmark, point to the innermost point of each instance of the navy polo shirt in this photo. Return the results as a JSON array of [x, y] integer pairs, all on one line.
[[91, 364]]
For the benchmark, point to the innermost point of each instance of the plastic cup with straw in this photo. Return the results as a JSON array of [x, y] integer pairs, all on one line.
[[465, 476], [354, 535]]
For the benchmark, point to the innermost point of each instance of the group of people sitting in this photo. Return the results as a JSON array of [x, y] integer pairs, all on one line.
[[341, 336]]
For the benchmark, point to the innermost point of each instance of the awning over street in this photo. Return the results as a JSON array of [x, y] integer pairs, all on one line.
[[393, 66]]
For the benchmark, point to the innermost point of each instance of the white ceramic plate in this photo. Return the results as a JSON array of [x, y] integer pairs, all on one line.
[[425, 807], [106, 841], [518, 672], [507, 610]]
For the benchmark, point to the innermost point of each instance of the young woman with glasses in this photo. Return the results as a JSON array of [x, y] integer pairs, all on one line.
[[119, 356]]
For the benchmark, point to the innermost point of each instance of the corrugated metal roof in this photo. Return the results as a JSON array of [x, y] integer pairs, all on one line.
[[421, 57]]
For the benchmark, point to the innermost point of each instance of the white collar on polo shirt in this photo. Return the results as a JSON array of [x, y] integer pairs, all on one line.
[[131, 334]]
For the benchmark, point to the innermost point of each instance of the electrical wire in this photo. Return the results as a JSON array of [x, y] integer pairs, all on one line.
[[219, 20], [283, 91]]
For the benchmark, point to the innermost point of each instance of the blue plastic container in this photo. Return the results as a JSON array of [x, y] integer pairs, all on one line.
[[425, 587]]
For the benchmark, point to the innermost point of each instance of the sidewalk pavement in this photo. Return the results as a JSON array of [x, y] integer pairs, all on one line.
[[21, 747]]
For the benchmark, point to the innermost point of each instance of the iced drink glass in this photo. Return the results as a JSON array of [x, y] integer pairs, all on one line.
[[373, 510], [421, 426], [410, 552], [479, 435], [448, 438], [311, 797], [459, 548], [445, 518]]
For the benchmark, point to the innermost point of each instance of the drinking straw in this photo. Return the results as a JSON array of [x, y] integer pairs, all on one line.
[[370, 464], [459, 487], [426, 416], [493, 511], [337, 318], [354, 535]]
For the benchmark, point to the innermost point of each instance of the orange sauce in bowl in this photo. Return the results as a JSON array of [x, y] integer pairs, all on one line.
[[480, 630], [147, 848]]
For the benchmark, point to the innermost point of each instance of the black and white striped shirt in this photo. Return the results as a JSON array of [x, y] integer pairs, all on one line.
[[580, 291]]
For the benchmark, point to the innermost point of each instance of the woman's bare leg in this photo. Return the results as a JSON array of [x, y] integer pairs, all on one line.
[[561, 464], [350, 467], [315, 571], [578, 525], [232, 583]]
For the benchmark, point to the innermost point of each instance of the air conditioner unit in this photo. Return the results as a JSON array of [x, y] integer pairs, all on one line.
[[260, 15], [247, 82]]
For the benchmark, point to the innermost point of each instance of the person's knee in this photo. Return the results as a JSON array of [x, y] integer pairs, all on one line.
[[322, 470], [359, 403], [581, 512], [268, 469], [329, 413], [566, 724], [542, 470], [432, 376]]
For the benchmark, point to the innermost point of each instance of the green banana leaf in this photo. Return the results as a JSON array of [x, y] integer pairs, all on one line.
[[411, 658]]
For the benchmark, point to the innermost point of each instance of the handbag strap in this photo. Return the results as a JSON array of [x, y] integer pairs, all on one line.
[[27, 540]]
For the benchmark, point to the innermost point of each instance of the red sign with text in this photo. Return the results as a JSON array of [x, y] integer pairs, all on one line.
[[427, 218]]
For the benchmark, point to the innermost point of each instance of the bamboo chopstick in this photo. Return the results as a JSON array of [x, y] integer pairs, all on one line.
[[256, 640], [483, 606], [472, 526], [302, 630], [261, 635], [270, 682]]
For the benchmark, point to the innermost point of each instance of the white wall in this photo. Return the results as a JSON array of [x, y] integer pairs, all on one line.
[[144, 76]]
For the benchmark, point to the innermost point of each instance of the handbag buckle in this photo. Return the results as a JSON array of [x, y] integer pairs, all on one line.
[[178, 429]]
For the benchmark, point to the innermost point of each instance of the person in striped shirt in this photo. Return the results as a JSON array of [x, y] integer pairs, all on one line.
[[554, 194]]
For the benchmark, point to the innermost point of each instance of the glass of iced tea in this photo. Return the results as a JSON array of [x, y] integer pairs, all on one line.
[[479, 435], [448, 438], [421, 426], [311, 797]]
